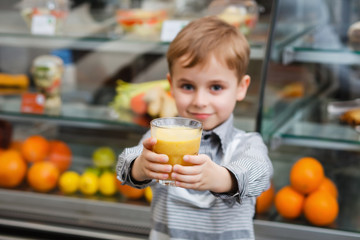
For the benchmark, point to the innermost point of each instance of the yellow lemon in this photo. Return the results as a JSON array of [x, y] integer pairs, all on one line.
[[148, 194], [89, 183], [107, 184], [69, 182]]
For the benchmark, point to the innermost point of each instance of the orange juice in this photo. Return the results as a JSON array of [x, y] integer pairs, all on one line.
[[175, 142]]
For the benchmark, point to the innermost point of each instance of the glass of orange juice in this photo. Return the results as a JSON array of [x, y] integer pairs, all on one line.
[[176, 137]]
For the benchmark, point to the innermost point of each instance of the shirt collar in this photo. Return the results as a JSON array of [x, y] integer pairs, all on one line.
[[224, 131]]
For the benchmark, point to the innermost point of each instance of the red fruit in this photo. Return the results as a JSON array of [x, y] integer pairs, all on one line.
[[60, 155], [138, 104]]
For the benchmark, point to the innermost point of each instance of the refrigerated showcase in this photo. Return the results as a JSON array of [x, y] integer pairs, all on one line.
[[309, 82], [301, 62]]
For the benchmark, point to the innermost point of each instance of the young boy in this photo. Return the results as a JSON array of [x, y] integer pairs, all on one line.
[[214, 198]]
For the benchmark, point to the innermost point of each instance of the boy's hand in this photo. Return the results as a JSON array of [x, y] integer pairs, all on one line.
[[203, 175], [150, 165]]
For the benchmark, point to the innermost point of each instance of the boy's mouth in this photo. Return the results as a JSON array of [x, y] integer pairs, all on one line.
[[201, 116]]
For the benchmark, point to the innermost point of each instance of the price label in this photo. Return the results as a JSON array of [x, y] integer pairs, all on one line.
[[171, 28], [43, 24], [33, 103]]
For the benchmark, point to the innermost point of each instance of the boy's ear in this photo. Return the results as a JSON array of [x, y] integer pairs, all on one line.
[[168, 76], [243, 87]]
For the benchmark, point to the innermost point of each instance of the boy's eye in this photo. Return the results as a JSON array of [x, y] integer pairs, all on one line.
[[216, 88], [187, 87]]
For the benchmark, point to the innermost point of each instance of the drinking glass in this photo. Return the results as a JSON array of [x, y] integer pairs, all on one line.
[[176, 137]]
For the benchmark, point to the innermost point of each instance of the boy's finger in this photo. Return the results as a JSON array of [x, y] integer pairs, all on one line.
[[194, 159], [156, 175], [149, 143], [186, 170], [161, 168]]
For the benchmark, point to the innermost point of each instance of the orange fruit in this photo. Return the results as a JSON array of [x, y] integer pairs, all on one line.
[[43, 176], [12, 168], [321, 208], [329, 186], [306, 175], [16, 145], [130, 192], [60, 155], [35, 149], [265, 200], [289, 203]]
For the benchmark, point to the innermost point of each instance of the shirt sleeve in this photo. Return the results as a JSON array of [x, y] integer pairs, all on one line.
[[252, 168], [125, 162]]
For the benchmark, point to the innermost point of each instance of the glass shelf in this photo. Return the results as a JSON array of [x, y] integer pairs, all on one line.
[[322, 45], [78, 115], [312, 126], [105, 37]]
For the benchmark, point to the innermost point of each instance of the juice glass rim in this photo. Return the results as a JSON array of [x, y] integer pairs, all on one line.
[[152, 123]]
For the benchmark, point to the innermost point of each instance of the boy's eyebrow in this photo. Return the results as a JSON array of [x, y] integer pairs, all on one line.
[[185, 80], [212, 81]]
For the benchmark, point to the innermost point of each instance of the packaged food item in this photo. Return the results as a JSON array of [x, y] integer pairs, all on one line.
[[354, 35], [141, 21], [45, 16], [68, 81], [243, 14], [47, 71], [13, 83]]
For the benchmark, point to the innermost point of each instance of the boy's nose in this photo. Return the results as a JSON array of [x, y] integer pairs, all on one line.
[[200, 99]]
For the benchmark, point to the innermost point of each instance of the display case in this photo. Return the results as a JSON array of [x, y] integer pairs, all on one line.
[[99, 51], [310, 82], [304, 71]]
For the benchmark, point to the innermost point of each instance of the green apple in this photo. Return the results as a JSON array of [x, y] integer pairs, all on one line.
[[104, 157]]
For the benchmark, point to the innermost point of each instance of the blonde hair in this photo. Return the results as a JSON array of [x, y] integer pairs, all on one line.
[[206, 36]]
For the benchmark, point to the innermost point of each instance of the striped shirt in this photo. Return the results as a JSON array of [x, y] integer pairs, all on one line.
[[179, 213]]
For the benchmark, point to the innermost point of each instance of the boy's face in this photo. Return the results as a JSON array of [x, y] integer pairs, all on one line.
[[206, 92]]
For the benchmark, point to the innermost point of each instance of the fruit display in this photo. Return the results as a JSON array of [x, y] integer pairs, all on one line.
[[43, 176], [12, 168], [103, 157], [321, 208], [289, 203], [310, 194], [265, 200], [60, 155], [35, 149], [328, 186], [89, 183], [306, 175], [69, 182], [149, 98], [107, 183], [45, 166], [130, 192], [148, 193]]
